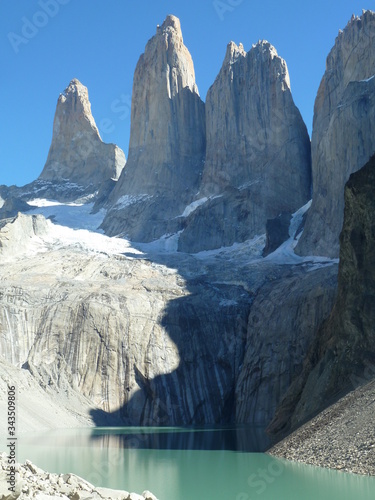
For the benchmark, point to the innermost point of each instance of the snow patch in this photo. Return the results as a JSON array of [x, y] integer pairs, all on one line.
[[368, 79], [248, 184], [41, 202], [87, 241], [251, 249], [228, 303], [168, 243], [193, 206], [130, 199], [285, 253], [73, 215]]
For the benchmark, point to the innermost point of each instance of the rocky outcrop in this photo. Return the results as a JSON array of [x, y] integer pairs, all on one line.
[[282, 325], [277, 232], [167, 140], [343, 136], [127, 334], [12, 206], [343, 355], [33, 482], [77, 154], [258, 151]]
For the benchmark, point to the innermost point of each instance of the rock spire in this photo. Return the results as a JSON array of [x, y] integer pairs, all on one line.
[[167, 139], [258, 150], [77, 153]]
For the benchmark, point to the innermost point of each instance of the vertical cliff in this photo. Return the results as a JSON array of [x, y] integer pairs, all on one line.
[[343, 354], [258, 150], [167, 140], [343, 136]]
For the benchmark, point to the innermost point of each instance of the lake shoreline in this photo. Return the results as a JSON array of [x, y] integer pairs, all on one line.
[[342, 437], [30, 480]]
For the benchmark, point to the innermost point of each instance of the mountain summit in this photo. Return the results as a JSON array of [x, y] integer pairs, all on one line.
[[167, 139], [258, 151], [77, 152]]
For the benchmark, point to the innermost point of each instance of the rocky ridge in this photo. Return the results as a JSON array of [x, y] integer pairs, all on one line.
[[33, 482], [343, 132]]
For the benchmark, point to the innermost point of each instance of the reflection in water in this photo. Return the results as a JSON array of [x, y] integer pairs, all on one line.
[[238, 438], [119, 458]]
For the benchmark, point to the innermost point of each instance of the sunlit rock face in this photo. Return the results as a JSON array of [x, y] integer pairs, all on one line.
[[167, 140], [162, 339], [77, 154], [343, 136], [258, 151]]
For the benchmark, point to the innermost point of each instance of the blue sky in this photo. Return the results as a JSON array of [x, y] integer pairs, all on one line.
[[46, 43]]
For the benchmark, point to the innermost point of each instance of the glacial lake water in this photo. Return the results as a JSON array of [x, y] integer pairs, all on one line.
[[188, 464]]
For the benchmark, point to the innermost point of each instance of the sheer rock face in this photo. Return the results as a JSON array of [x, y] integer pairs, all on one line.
[[343, 136], [167, 139], [282, 325], [171, 340], [258, 150], [77, 153], [343, 355]]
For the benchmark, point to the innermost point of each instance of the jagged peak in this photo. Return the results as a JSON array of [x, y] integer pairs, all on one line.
[[234, 51], [356, 22], [171, 23], [75, 83], [75, 87], [263, 46], [359, 33]]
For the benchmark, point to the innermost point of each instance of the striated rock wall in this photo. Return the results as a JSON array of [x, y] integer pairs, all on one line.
[[157, 339], [343, 136], [282, 325], [343, 355], [258, 151], [77, 154], [167, 140]]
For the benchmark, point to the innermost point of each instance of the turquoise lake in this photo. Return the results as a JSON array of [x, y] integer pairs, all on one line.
[[187, 464]]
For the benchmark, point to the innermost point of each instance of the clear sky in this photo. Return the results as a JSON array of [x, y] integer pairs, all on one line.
[[46, 43]]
